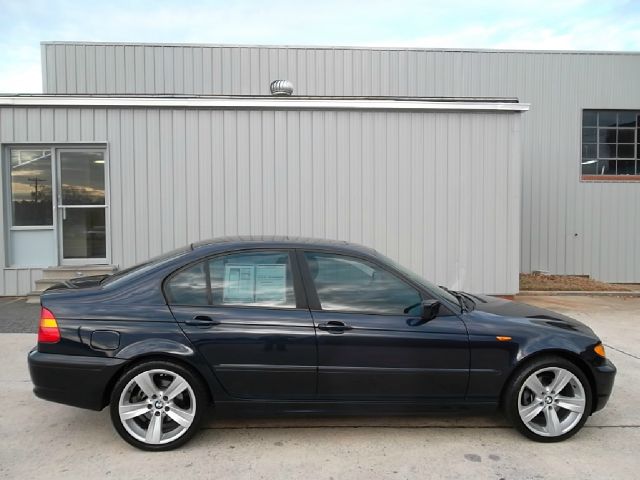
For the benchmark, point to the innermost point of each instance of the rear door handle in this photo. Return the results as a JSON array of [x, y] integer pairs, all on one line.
[[202, 321], [334, 326]]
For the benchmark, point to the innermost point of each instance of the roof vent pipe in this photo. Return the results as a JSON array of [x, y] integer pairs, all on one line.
[[282, 88]]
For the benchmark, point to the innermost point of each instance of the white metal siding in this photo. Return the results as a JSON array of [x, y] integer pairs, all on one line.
[[568, 227], [438, 191]]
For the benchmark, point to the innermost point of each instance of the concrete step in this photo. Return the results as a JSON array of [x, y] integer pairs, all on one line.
[[53, 275], [44, 283], [33, 297], [66, 272]]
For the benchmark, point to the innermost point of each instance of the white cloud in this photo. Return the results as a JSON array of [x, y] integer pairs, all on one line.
[[24, 77]]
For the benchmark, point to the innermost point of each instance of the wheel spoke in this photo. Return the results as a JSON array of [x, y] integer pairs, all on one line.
[[154, 432], [143, 399], [530, 412], [573, 404], [181, 417], [146, 384], [534, 384], [133, 410], [553, 422], [176, 388], [560, 381]]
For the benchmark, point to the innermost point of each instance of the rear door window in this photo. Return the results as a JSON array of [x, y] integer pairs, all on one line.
[[249, 278]]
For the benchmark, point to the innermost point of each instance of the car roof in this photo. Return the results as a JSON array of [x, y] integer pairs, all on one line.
[[279, 241]]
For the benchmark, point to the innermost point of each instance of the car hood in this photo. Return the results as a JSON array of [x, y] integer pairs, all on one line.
[[511, 311]]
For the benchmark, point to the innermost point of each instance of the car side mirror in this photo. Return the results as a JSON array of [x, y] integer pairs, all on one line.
[[430, 309]]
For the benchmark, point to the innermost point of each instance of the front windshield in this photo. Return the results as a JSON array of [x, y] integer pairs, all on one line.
[[427, 285], [143, 267]]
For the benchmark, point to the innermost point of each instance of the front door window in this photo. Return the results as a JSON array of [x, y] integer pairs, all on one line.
[[347, 284]]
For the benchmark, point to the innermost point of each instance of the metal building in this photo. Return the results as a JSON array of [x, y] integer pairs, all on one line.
[[427, 168]]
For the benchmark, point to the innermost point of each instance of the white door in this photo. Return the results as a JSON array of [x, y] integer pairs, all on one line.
[[82, 207]]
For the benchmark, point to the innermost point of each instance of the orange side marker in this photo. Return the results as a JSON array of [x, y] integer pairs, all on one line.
[[503, 338]]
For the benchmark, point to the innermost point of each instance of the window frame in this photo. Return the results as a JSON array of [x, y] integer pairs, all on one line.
[[610, 178], [298, 289], [314, 299]]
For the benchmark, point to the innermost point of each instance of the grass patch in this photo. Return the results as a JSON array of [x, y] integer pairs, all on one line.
[[536, 281]]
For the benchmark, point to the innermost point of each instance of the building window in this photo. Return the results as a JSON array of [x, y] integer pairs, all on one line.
[[31, 192], [610, 144]]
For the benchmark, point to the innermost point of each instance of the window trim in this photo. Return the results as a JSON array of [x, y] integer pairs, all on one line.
[[298, 289], [312, 294]]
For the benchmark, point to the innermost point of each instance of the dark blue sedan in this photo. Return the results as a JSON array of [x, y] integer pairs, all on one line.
[[301, 325]]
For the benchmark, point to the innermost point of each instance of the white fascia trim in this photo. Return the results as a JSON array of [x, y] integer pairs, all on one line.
[[261, 103]]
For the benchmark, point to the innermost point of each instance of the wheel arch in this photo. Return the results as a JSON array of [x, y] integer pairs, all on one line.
[[565, 354], [155, 356]]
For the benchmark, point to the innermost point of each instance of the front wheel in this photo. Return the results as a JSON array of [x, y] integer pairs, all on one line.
[[549, 400], [157, 405]]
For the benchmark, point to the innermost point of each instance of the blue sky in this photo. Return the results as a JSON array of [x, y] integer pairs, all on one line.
[[525, 24]]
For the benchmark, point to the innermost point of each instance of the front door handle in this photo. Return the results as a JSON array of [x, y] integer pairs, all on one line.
[[202, 321], [334, 326]]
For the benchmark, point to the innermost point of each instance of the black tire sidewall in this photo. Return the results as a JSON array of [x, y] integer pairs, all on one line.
[[511, 397], [194, 382]]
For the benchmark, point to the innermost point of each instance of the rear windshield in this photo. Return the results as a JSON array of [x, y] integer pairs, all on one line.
[[142, 268]]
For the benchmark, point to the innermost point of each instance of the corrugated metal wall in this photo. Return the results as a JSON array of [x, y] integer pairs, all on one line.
[[567, 226], [437, 191]]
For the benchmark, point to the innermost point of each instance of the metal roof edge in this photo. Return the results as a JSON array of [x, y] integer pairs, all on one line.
[[349, 47], [267, 102]]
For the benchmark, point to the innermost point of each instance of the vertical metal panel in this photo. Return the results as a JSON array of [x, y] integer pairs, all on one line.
[[154, 175], [567, 226]]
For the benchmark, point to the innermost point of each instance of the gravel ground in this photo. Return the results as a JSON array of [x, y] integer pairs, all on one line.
[[18, 316]]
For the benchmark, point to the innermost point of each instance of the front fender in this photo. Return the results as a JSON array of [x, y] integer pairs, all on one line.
[[492, 362]]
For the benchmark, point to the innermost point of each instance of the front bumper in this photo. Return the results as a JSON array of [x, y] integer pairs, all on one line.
[[72, 379], [604, 376]]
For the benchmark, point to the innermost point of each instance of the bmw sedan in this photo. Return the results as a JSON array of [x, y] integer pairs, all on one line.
[[301, 325]]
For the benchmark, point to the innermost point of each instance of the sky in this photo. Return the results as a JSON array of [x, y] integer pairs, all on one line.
[[525, 24]]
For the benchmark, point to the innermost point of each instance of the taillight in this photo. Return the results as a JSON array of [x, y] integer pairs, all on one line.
[[48, 331]]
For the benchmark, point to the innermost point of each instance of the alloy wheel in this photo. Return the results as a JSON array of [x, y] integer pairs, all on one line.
[[551, 401], [157, 406]]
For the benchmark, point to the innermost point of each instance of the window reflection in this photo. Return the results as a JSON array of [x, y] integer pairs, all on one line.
[[31, 192], [189, 287], [610, 142], [254, 279], [82, 177], [244, 279], [349, 284]]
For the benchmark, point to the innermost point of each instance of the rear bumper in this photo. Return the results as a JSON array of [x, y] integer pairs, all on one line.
[[604, 376], [71, 379]]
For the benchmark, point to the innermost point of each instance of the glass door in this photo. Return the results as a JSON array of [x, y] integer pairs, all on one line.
[[82, 206]]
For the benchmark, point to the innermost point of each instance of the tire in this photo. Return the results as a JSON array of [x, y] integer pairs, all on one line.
[[540, 412], [164, 421]]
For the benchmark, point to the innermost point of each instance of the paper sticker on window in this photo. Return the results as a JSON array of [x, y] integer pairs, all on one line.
[[271, 283], [238, 283]]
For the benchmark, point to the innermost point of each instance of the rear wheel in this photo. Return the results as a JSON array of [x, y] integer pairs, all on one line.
[[158, 405], [549, 399]]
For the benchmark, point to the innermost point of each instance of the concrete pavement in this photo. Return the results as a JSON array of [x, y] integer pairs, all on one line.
[[45, 440]]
